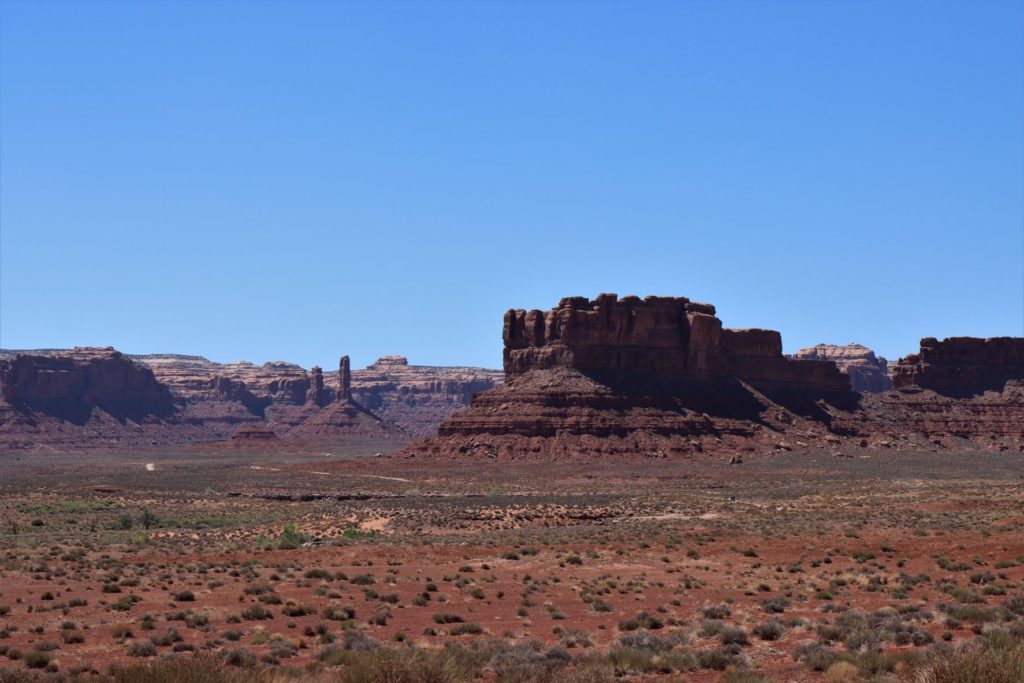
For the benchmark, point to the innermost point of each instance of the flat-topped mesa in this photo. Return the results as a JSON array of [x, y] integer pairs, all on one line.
[[344, 379], [662, 340], [70, 384], [868, 373], [962, 366], [392, 360]]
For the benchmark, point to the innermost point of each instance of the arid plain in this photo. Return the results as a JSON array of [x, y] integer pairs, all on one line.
[[824, 565]]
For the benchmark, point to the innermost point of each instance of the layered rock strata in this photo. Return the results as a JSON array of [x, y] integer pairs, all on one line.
[[657, 376], [199, 400], [962, 366], [660, 376], [669, 342], [418, 397], [87, 397], [868, 373], [70, 385]]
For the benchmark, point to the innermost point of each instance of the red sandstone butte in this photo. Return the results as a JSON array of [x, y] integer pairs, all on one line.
[[659, 376]]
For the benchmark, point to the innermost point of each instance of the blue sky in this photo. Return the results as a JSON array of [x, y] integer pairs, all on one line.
[[295, 181]]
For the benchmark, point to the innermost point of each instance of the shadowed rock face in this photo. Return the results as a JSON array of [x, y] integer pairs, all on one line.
[[868, 373], [69, 385], [655, 376], [667, 341], [661, 377], [962, 366]]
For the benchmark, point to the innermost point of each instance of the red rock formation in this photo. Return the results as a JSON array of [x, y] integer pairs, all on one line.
[[660, 376], [418, 397], [657, 376], [316, 386], [344, 380], [340, 419], [70, 385], [868, 373], [915, 416], [86, 398], [660, 340], [962, 366], [254, 436]]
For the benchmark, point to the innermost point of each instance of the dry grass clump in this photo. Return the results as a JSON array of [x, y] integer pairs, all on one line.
[[998, 659]]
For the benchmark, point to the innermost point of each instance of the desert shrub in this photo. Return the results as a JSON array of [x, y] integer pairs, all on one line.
[[624, 659], [338, 613], [776, 605], [973, 614], [167, 638], [38, 659], [641, 620], [842, 672], [448, 619], [998, 661], [719, 660], [257, 612], [770, 630], [184, 596], [148, 519], [142, 648], [240, 657], [716, 612], [72, 636], [318, 574], [290, 537], [293, 610], [574, 638], [815, 656], [745, 676], [733, 636], [646, 641]]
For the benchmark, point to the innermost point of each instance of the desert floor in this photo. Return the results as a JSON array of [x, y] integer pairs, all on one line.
[[689, 569]]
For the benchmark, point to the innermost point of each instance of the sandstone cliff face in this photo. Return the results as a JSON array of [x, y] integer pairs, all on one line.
[[215, 400], [654, 376], [664, 341], [415, 398], [661, 377], [71, 384], [962, 366], [868, 373], [86, 397], [188, 377], [100, 397]]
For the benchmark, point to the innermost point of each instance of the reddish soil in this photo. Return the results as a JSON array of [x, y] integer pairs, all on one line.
[[565, 551]]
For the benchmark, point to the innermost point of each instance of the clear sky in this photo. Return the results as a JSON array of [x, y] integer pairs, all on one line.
[[299, 180]]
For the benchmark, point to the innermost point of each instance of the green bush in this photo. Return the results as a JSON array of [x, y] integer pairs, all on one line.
[[290, 537]]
